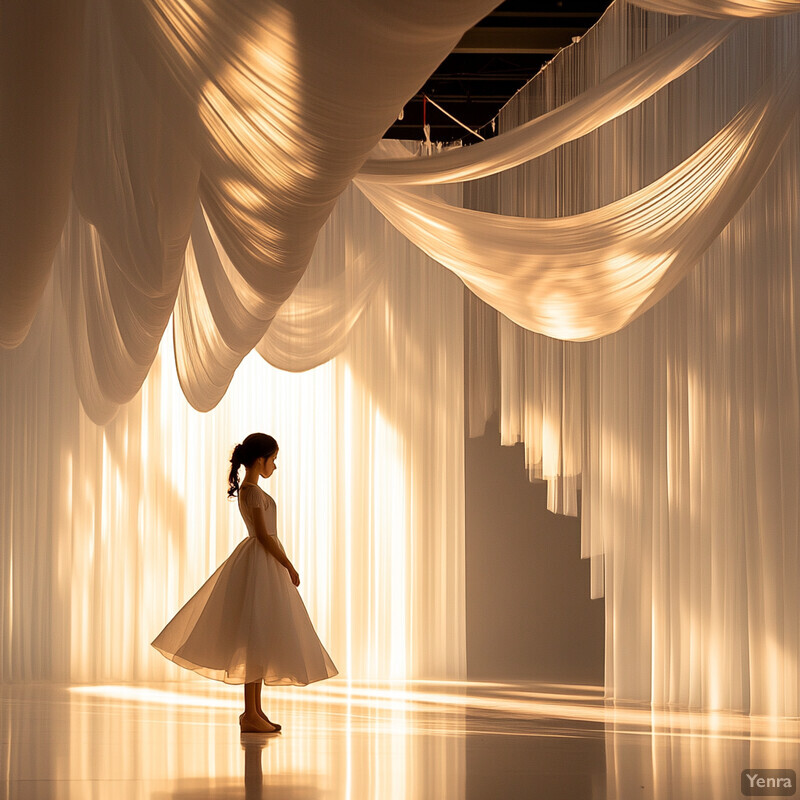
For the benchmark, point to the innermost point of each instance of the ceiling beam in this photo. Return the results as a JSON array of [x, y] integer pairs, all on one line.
[[516, 40]]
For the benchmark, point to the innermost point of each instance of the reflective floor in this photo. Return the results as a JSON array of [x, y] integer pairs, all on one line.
[[360, 740]]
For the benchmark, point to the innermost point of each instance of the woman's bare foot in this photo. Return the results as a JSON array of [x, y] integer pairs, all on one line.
[[265, 717], [256, 724]]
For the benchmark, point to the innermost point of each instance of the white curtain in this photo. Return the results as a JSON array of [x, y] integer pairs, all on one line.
[[108, 529], [142, 108], [263, 117], [722, 9], [40, 65], [622, 90], [194, 157], [681, 429], [589, 274]]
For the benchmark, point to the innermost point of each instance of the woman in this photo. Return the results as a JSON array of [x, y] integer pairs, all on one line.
[[247, 623]]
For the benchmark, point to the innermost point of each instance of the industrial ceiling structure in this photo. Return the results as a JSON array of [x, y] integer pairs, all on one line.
[[491, 63]]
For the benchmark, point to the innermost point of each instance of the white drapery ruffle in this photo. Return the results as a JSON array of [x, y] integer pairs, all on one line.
[[617, 93], [256, 109], [585, 276], [640, 417], [722, 9], [205, 131], [681, 430], [108, 529]]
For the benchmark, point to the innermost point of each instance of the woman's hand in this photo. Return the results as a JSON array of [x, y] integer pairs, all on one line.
[[294, 575]]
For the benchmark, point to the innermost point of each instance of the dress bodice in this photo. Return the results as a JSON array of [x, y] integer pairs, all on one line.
[[252, 497]]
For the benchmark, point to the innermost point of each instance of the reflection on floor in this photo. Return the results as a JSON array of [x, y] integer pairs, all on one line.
[[361, 740]]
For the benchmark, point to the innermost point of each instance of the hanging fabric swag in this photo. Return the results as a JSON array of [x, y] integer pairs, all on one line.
[[720, 9], [624, 89], [588, 275]]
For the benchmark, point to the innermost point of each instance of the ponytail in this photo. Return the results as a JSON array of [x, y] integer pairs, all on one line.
[[233, 476], [256, 445]]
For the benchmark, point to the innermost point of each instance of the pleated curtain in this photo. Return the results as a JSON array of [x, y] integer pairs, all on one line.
[[640, 204], [681, 430], [108, 529]]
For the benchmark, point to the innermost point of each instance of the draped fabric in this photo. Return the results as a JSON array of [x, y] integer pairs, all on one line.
[[40, 56], [617, 93], [348, 266], [108, 529], [587, 275], [681, 429], [188, 156], [721, 9], [254, 109], [134, 189], [209, 148]]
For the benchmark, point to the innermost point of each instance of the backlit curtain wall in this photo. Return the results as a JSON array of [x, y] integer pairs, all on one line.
[[683, 429], [108, 529]]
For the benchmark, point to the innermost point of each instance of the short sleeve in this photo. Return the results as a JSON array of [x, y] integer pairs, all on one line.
[[252, 497]]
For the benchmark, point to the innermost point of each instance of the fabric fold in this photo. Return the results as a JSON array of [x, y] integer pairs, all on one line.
[[584, 276], [721, 9], [624, 89], [40, 67], [134, 190]]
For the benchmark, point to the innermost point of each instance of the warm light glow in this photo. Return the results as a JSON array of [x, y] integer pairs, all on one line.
[[346, 505], [576, 703]]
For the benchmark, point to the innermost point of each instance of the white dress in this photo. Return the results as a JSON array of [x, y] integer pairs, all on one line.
[[247, 621]]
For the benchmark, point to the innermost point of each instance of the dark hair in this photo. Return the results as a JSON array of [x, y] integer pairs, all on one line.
[[255, 446]]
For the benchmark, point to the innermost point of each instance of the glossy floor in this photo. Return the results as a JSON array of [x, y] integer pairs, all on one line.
[[359, 740]]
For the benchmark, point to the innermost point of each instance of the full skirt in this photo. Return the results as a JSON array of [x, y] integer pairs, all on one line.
[[247, 623]]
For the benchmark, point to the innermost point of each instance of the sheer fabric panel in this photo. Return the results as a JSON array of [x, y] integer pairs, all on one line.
[[40, 71], [722, 9], [107, 530], [688, 454], [143, 108], [617, 93], [284, 117], [584, 275]]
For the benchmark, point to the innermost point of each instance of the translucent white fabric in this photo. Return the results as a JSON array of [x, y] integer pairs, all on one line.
[[617, 93], [720, 9], [40, 60], [242, 128], [134, 190], [681, 430], [350, 263], [257, 110], [587, 275], [106, 530]]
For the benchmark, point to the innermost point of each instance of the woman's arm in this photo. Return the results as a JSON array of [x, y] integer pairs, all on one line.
[[272, 545]]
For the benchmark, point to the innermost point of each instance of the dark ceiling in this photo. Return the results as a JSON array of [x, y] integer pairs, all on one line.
[[491, 63]]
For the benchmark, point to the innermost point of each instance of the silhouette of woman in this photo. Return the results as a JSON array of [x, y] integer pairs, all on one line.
[[247, 623]]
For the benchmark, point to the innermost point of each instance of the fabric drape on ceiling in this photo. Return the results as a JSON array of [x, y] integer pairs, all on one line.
[[254, 109], [617, 93], [134, 191], [108, 529], [721, 9], [241, 129], [586, 275], [283, 131], [682, 429], [347, 267], [40, 57]]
